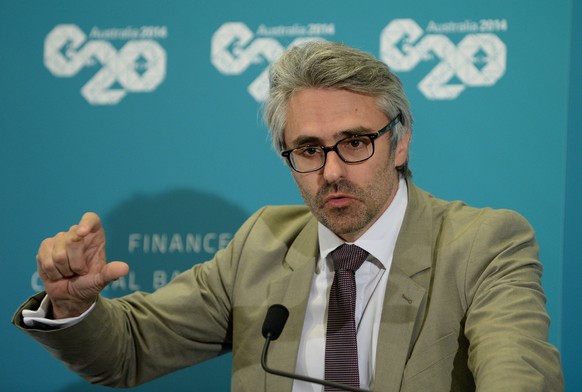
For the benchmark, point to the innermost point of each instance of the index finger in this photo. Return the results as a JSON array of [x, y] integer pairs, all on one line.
[[90, 223]]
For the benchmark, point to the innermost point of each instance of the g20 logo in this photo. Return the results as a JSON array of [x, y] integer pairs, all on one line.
[[478, 60], [234, 49], [139, 66]]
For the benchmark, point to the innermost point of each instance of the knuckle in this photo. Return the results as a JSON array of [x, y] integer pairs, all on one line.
[[47, 243], [45, 250], [50, 270], [59, 255], [77, 269]]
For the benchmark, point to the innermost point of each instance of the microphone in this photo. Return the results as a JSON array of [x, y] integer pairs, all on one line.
[[272, 327]]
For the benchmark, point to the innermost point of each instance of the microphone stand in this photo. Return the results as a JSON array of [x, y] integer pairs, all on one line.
[[300, 377]]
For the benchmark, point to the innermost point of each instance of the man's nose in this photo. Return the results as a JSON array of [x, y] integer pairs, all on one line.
[[334, 168]]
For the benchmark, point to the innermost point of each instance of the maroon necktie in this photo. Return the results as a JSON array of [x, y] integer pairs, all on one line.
[[341, 347]]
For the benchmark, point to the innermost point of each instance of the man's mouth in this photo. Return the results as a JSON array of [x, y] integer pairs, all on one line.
[[338, 200]]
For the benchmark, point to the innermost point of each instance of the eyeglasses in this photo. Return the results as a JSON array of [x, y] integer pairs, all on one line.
[[353, 149]]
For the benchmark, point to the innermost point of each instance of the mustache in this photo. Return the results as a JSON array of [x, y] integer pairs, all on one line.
[[342, 186]]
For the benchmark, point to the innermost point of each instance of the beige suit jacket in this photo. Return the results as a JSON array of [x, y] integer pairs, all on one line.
[[464, 308]]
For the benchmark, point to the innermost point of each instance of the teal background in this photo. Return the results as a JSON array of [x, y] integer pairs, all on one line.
[[192, 156]]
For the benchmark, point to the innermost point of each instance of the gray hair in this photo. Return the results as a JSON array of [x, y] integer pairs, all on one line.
[[325, 64]]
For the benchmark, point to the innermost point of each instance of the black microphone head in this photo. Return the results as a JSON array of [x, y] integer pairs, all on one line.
[[275, 321]]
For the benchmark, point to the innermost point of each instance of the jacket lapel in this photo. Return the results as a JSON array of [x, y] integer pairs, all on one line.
[[405, 298], [292, 291]]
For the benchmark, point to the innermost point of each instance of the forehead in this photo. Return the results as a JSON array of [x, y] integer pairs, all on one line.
[[326, 113]]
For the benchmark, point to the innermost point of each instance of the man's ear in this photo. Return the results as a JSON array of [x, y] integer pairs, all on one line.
[[401, 154]]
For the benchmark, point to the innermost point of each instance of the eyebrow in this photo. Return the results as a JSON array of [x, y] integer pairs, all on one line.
[[305, 140]]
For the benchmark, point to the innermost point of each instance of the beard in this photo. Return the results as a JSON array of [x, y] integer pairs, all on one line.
[[368, 202]]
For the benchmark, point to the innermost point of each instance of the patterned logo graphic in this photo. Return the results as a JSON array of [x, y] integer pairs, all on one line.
[[138, 66], [235, 48], [478, 60]]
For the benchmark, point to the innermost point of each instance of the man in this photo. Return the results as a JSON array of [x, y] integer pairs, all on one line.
[[448, 297]]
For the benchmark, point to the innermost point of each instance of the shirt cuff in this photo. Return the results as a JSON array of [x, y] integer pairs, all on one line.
[[35, 317]]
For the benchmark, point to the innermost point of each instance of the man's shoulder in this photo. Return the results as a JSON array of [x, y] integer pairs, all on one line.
[[291, 211], [458, 212], [283, 214], [283, 222]]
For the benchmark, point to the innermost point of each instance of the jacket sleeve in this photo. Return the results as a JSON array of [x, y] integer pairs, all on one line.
[[507, 323], [127, 341]]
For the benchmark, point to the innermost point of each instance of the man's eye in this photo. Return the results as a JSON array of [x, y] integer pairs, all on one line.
[[309, 151], [356, 143]]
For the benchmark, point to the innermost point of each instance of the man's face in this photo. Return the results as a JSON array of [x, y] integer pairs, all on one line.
[[346, 197]]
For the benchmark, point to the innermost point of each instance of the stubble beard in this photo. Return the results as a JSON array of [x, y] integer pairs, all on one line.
[[367, 205]]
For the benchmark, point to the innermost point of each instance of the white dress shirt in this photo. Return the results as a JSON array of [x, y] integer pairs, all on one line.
[[371, 280]]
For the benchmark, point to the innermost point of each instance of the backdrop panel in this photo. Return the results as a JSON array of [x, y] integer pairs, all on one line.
[[148, 113]]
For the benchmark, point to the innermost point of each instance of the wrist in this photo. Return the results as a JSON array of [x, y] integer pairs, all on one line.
[[39, 317], [65, 309]]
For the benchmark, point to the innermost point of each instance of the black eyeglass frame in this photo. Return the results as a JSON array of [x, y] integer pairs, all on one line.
[[326, 149]]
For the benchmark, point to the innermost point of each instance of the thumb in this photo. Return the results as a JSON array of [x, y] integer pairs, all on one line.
[[113, 271]]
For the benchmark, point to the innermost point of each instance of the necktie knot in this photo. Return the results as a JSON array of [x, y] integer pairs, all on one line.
[[348, 257]]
